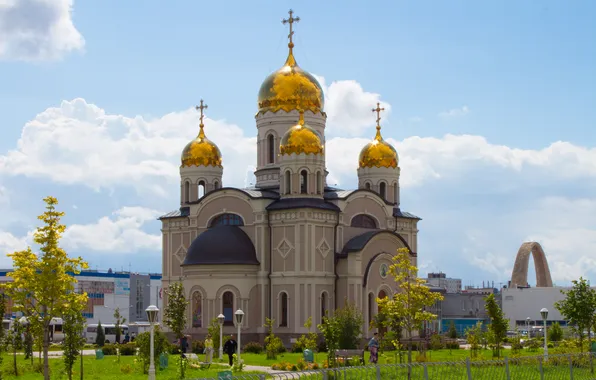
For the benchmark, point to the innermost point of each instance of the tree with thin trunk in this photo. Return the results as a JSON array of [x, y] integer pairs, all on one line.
[[120, 320], [408, 306], [43, 284], [498, 323], [73, 326], [579, 307], [175, 313]]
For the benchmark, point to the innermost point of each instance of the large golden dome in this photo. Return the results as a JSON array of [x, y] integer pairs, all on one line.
[[291, 88], [378, 153], [301, 139]]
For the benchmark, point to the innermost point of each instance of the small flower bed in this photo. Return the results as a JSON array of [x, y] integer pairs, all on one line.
[[300, 366]]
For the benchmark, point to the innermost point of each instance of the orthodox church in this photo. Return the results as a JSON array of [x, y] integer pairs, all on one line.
[[290, 247]]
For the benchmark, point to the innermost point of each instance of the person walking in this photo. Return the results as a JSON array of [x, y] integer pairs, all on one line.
[[373, 347], [230, 348], [208, 349], [183, 345]]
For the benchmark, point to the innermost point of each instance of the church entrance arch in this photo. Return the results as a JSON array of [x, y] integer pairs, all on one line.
[[519, 276]]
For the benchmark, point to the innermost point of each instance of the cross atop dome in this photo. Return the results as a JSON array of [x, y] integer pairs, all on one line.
[[290, 20], [201, 125]]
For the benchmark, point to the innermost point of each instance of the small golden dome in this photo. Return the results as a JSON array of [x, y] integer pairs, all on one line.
[[378, 153], [201, 152], [301, 139]]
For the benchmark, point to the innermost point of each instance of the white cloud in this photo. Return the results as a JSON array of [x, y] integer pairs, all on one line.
[[455, 112], [121, 233], [349, 108], [34, 30]]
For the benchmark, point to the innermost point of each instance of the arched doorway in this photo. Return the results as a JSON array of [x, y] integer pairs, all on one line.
[[382, 294]]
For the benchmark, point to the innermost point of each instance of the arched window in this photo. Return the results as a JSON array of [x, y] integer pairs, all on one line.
[[283, 320], [186, 191], [323, 305], [215, 185], [382, 189], [363, 221], [288, 182], [367, 186], [228, 308], [395, 194], [319, 183], [382, 294], [227, 220], [303, 182], [201, 189], [270, 149], [197, 311]]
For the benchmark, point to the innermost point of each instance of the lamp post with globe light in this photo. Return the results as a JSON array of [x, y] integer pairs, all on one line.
[[239, 317], [220, 319], [152, 312], [544, 314]]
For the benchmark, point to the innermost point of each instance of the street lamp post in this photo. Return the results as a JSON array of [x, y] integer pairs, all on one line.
[[239, 317], [152, 311], [220, 319], [528, 327], [544, 314]]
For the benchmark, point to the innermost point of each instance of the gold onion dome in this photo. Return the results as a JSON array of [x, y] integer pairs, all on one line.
[[378, 153], [301, 139], [201, 151], [291, 88]]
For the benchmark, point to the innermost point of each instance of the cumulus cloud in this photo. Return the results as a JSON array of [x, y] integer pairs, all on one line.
[[122, 232], [81, 143], [454, 112], [349, 108], [35, 30]]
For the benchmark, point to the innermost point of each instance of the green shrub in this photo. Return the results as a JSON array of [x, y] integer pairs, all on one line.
[[128, 349], [436, 343], [452, 345], [109, 349], [253, 348], [198, 347]]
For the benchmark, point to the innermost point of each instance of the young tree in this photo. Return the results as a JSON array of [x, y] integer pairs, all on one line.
[[408, 306], [273, 344], [100, 337], [452, 331], [15, 341], [498, 323], [331, 330], [555, 333], [43, 285], [120, 320], [578, 307], [308, 341], [474, 338], [350, 320], [73, 326], [175, 313]]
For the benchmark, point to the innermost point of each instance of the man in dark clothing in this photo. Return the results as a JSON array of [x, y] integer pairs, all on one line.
[[230, 348], [183, 345]]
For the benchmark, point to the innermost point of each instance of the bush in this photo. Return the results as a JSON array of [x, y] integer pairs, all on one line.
[[322, 346], [436, 343], [109, 349], [452, 345], [198, 347], [128, 349], [253, 348]]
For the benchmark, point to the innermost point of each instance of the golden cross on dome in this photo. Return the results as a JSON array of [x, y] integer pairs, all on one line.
[[290, 21], [200, 109], [378, 111]]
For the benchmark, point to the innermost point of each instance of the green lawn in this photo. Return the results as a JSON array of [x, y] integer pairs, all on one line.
[[107, 368], [389, 357]]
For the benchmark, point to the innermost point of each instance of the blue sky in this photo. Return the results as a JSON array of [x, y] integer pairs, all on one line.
[[478, 94]]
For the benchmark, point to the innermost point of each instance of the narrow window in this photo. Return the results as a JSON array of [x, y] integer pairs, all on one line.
[[201, 189], [284, 310], [319, 183], [270, 149], [382, 187], [367, 186], [196, 309], [395, 200], [323, 305], [215, 185], [371, 305], [288, 182], [186, 192], [228, 308], [303, 182]]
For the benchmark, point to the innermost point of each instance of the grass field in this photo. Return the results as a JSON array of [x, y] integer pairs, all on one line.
[[384, 358], [107, 368]]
